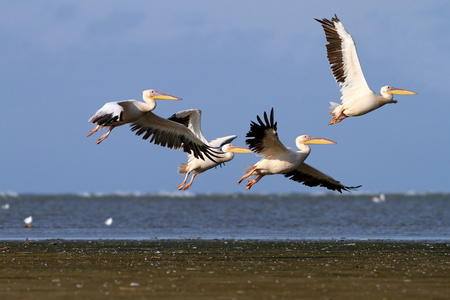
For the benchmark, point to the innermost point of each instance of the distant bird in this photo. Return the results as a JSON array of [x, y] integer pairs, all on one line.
[[5, 206], [357, 98], [223, 148], [381, 198], [28, 222], [109, 221], [140, 116], [263, 139]]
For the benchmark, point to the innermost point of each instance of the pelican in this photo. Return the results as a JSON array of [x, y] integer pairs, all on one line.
[[224, 150], [140, 116], [263, 139], [357, 98]]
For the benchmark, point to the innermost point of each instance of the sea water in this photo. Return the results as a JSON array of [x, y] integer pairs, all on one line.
[[422, 217]]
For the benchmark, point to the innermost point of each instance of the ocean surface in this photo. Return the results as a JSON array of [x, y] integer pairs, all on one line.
[[415, 217]]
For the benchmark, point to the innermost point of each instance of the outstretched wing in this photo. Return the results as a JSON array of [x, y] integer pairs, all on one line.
[[343, 59], [263, 137], [219, 142], [109, 114], [171, 134], [309, 176], [191, 118]]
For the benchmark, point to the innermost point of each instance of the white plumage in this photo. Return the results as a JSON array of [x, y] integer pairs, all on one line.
[[357, 97], [223, 149], [277, 159], [145, 123]]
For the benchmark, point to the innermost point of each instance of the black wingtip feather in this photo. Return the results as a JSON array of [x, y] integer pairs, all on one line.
[[258, 130]]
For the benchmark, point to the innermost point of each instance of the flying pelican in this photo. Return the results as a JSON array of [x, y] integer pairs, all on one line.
[[357, 98], [263, 139], [139, 114], [223, 148]]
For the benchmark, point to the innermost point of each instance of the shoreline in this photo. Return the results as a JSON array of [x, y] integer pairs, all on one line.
[[227, 269]]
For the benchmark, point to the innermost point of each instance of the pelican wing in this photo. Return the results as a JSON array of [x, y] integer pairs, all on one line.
[[171, 134], [309, 176], [219, 142], [263, 137], [110, 113], [343, 59], [190, 118]]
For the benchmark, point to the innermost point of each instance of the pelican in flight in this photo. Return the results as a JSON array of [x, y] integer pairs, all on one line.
[[357, 98], [224, 150], [142, 120], [263, 139]]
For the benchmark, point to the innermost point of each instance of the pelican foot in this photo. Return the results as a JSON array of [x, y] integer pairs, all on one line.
[[334, 121], [103, 137], [94, 130], [250, 183]]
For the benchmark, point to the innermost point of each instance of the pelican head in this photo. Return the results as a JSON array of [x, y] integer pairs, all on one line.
[[388, 91], [154, 95], [235, 149], [306, 139]]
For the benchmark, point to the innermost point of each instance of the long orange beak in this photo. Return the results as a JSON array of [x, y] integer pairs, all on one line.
[[318, 141], [397, 91], [238, 149]]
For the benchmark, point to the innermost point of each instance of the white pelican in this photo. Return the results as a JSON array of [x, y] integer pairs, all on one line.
[[109, 221], [263, 139], [224, 151], [139, 114], [357, 98]]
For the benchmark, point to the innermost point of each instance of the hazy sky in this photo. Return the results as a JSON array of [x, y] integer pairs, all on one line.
[[62, 60]]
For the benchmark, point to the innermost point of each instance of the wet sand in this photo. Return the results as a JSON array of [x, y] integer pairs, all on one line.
[[198, 269]]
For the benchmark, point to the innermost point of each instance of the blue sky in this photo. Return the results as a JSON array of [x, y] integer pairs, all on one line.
[[62, 60]]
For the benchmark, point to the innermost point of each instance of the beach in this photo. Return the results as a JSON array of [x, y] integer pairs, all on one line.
[[224, 269]]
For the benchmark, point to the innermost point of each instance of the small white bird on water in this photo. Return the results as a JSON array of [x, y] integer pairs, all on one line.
[[109, 221], [381, 198], [28, 222], [5, 206]]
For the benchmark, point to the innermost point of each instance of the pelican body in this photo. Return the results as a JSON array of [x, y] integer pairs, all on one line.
[[223, 149], [114, 114], [357, 98], [159, 130], [278, 159]]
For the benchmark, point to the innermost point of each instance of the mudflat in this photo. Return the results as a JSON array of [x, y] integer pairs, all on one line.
[[224, 269]]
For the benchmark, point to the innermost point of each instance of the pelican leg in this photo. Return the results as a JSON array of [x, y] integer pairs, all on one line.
[[190, 182], [94, 130], [252, 182], [248, 174], [103, 137], [184, 181], [338, 117]]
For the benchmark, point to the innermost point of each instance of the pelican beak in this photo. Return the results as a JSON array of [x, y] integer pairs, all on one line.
[[397, 91], [162, 96], [237, 149], [318, 141]]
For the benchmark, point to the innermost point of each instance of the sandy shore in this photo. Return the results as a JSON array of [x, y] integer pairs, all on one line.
[[221, 269]]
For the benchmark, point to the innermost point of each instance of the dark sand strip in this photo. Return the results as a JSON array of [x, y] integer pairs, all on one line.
[[221, 269]]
